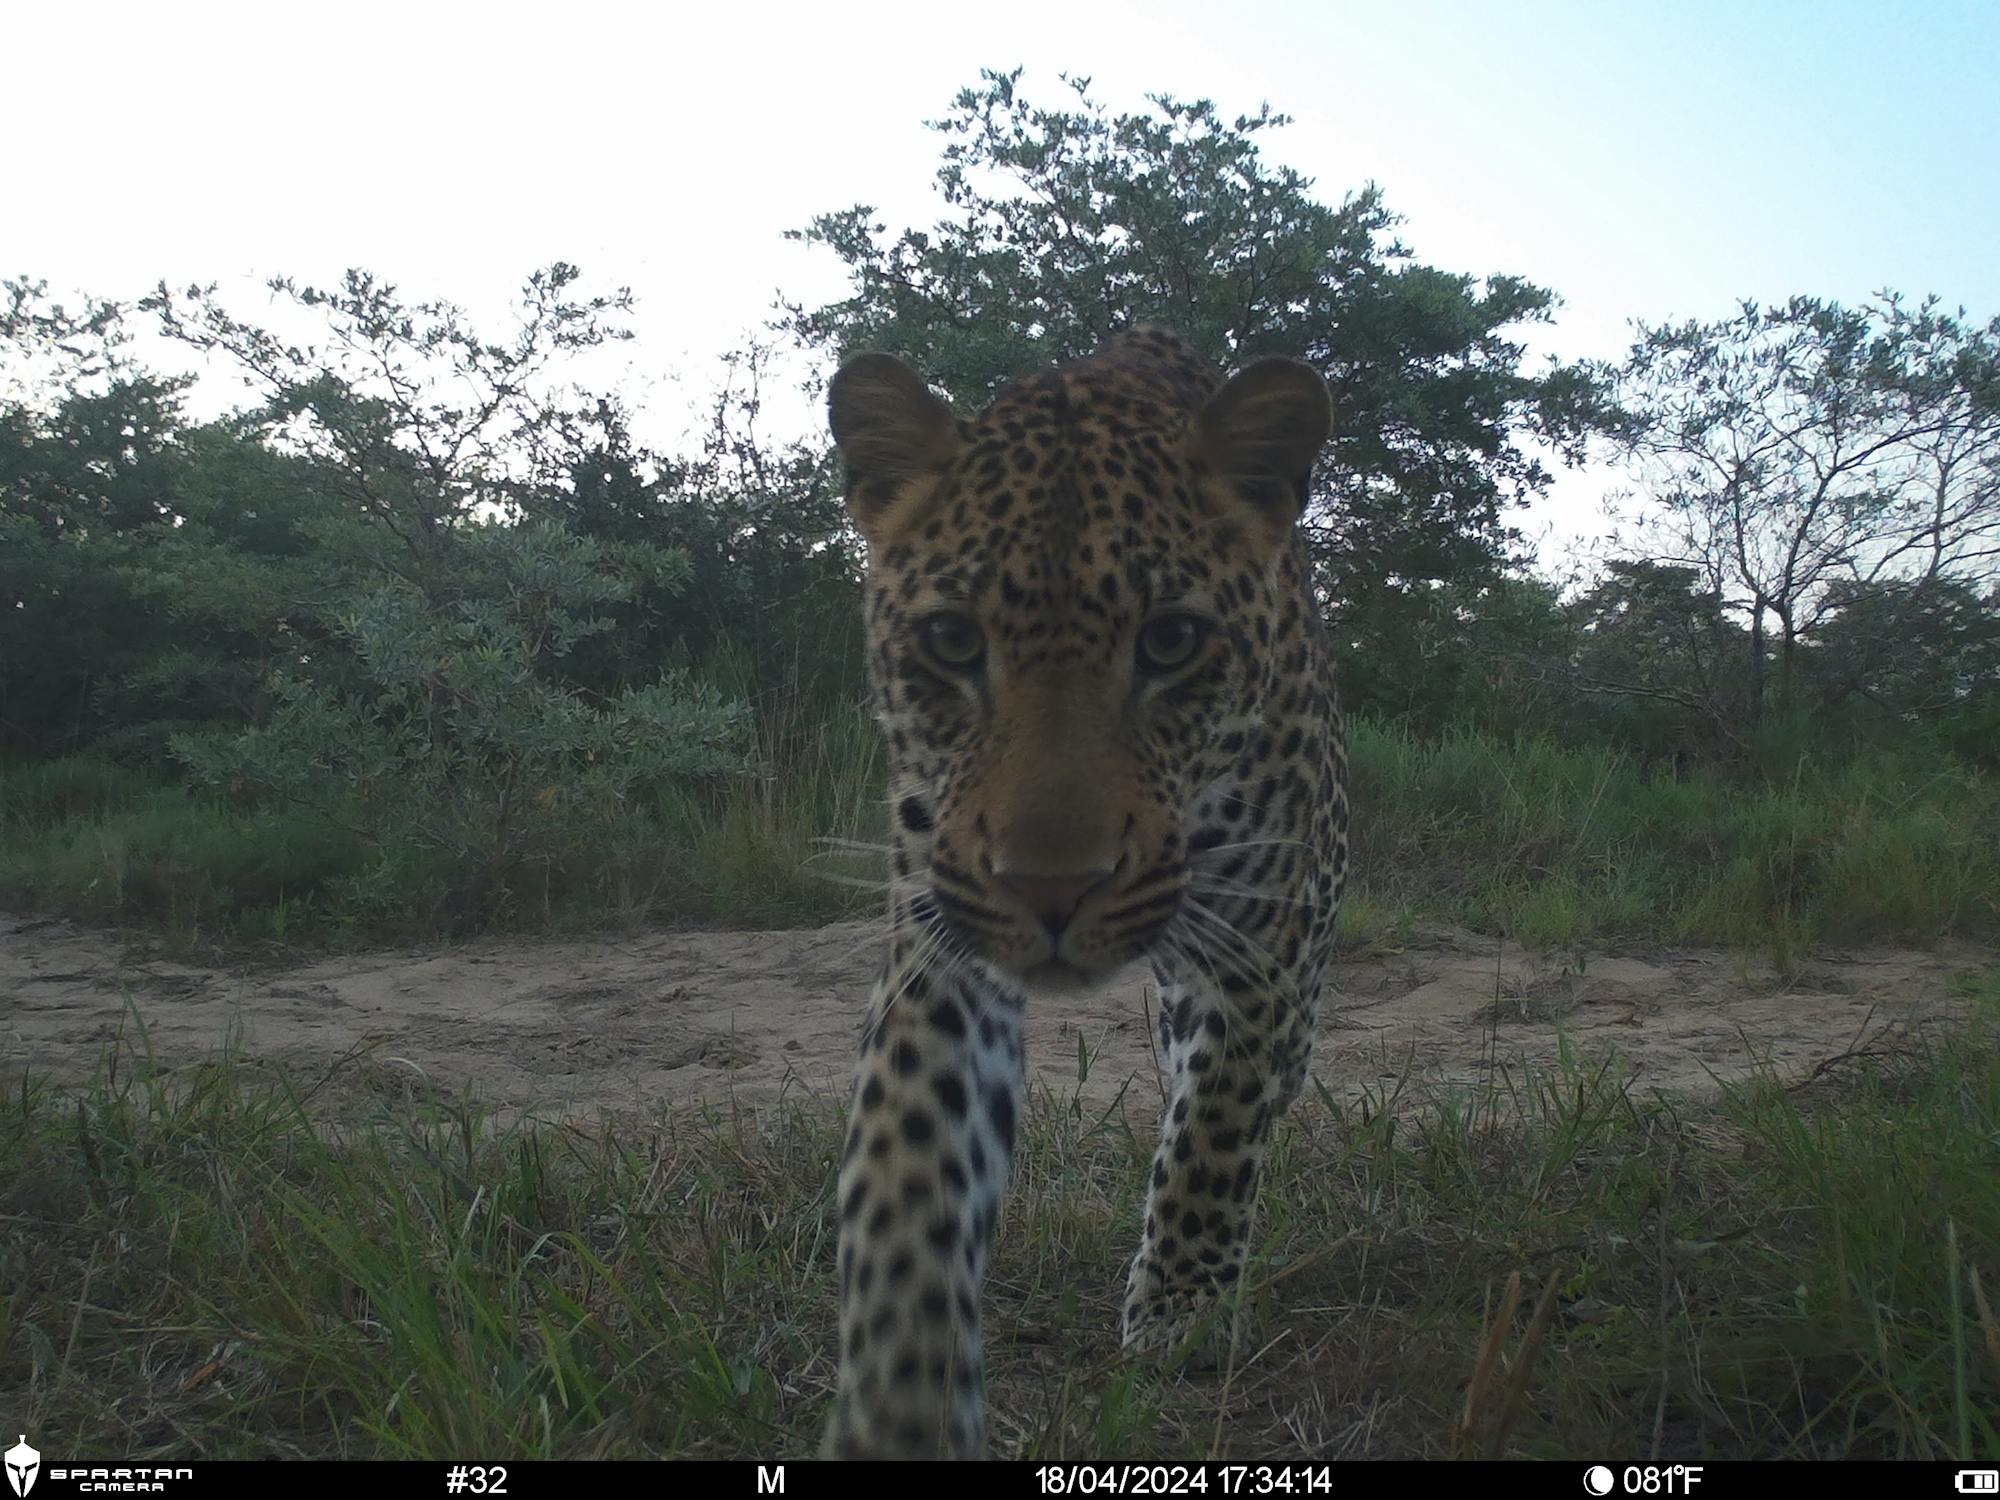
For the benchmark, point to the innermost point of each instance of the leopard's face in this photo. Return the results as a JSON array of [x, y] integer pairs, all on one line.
[[1070, 613]]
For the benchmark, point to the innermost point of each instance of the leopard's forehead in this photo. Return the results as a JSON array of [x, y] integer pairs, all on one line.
[[1073, 494]]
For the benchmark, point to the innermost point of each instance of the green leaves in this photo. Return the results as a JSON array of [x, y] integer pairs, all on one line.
[[1066, 223], [362, 597], [460, 741]]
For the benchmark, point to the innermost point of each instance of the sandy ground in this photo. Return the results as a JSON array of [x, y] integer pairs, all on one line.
[[610, 1025]]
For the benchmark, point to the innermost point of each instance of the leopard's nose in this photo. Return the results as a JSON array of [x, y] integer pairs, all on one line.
[[1053, 898]]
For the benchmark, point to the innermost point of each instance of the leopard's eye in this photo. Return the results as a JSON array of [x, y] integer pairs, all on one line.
[[953, 640], [1170, 641]]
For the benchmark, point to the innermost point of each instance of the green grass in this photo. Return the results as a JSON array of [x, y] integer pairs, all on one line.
[[231, 1264], [1548, 845], [1555, 846], [103, 844], [755, 851]]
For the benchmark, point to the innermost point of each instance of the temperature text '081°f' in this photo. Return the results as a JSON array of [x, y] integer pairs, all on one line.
[[1642, 1479]]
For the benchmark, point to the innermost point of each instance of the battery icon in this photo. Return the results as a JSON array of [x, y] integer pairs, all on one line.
[[1978, 1482]]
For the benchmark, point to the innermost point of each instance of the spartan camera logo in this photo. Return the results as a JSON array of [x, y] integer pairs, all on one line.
[[23, 1464]]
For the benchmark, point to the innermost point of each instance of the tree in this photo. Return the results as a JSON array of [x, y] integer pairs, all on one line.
[[1482, 650], [1799, 453], [459, 757], [422, 424], [1063, 226], [1654, 640], [92, 470], [773, 569], [1909, 656], [438, 718]]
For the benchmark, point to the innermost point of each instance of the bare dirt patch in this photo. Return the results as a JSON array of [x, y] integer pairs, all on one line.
[[609, 1025]]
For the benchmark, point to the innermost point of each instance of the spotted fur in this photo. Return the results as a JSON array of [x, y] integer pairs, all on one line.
[[1113, 736]]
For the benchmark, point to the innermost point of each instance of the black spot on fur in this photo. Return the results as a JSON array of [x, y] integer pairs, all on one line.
[[951, 1094], [1000, 1109]]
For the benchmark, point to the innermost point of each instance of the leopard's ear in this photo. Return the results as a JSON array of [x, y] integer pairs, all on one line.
[[896, 437], [1257, 438]]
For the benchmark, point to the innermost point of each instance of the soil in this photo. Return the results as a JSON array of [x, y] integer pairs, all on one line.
[[604, 1026]]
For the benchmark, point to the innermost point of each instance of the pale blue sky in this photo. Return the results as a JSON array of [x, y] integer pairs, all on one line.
[[1644, 160]]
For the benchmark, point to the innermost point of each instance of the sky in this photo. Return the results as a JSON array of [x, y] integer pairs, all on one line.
[[1648, 161]]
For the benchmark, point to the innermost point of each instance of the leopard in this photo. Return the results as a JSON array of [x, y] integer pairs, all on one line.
[[1113, 739]]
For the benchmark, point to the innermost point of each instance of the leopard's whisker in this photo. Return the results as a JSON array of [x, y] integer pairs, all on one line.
[[851, 846], [1217, 886], [1199, 855]]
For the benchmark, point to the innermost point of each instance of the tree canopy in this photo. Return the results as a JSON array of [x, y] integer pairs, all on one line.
[[1065, 223]]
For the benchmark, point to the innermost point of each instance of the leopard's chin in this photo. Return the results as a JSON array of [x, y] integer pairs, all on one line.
[[1060, 977], [1056, 976]]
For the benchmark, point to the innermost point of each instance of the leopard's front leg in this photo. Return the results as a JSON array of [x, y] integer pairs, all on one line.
[[930, 1138], [1234, 1059]]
